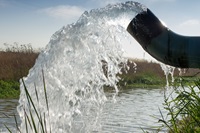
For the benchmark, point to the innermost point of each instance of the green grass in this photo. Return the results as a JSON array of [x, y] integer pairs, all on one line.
[[9, 89], [183, 107], [37, 124], [142, 80], [15, 62]]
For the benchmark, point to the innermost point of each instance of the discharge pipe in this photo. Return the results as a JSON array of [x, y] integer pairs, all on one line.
[[162, 43]]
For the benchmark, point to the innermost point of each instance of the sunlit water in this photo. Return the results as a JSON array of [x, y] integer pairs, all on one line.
[[134, 110]]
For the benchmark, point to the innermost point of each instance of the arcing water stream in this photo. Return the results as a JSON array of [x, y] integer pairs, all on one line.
[[70, 69]]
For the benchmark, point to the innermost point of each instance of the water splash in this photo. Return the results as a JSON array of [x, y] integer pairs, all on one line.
[[168, 72], [72, 66]]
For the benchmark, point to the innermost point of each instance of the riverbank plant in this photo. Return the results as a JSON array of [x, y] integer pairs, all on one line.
[[16, 60], [183, 107]]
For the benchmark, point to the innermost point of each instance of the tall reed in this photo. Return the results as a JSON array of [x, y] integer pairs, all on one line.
[[16, 60], [38, 124]]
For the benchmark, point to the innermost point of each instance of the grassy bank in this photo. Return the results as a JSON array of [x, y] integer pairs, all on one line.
[[150, 75], [9, 89], [16, 64], [145, 74], [16, 61]]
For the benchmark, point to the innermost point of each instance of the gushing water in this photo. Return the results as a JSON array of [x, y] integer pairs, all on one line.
[[168, 71], [72, 71]]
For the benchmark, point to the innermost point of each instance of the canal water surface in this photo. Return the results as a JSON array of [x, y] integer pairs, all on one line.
[[135, 110]]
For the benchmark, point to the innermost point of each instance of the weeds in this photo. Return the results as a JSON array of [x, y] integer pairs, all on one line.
[[41, 119], [183, 106]]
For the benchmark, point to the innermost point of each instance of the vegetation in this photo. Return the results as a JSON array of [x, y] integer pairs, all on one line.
[[150, 75], [183, 106], [145, 74], [15, 62], [9, 89]]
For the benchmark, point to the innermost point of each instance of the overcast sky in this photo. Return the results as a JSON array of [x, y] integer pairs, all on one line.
[[34, 21]]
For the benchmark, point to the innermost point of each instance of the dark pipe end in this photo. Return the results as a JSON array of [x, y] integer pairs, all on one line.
[[163, 44], [144, 27]]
